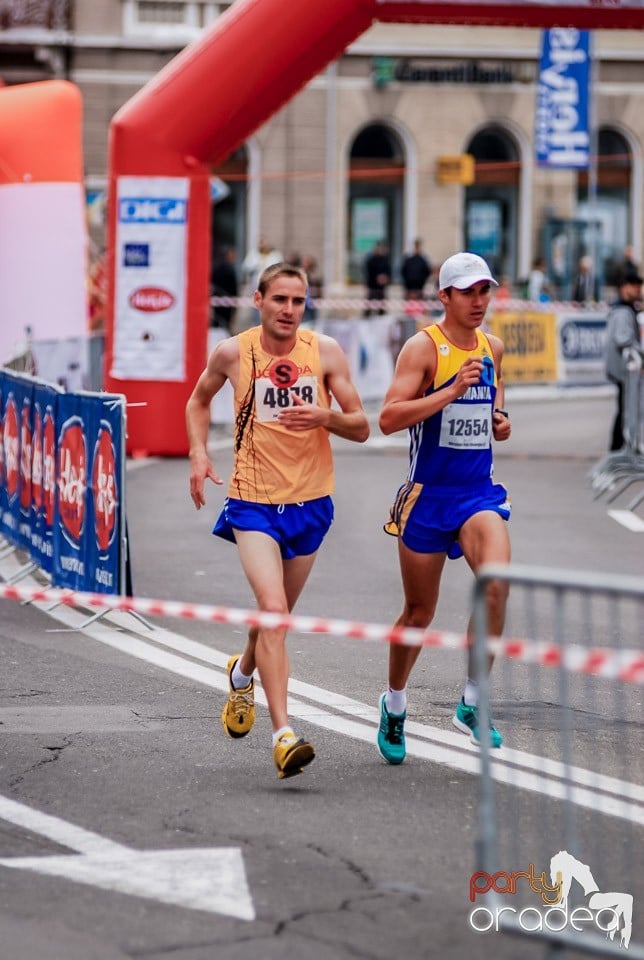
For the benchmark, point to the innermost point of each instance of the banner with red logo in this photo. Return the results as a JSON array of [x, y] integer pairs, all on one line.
[[12, 396], [62, 459], [43, 474], [88, 526], [105, 481], [150, 258]]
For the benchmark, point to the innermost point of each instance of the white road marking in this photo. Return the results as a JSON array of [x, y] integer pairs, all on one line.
[[607, 795], [628, 519], [211, 879]]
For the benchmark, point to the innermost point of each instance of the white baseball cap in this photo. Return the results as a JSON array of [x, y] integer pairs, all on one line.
[[463, 270]]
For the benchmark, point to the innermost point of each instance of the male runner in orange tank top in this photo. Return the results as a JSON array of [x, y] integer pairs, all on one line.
[[278, 507]]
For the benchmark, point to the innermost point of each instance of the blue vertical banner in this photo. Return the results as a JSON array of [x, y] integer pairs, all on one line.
[[24, 395], [562, 134], [43, 475], [106, 451], [70, 515]]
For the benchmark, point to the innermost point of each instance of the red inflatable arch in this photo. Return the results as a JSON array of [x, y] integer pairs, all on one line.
[[192, 115]]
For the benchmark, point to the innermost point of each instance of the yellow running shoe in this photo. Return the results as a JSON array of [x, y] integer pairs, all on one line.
[[291, 754], [238, 715]]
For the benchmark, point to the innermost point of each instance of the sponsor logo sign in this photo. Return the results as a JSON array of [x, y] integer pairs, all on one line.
[[151, 299], [562, 135], [150, 295], [136, 255], [72, 479], [11, 443], [104, 488]]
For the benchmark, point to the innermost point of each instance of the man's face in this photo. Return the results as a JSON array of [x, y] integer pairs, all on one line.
[[467, 307], [281, 308], [631, 292]]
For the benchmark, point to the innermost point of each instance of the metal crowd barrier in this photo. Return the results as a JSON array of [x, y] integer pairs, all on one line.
[[561, 815], [618, 471]]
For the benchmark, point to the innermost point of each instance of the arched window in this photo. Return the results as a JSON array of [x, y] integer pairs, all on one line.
[[376, 171], [491, 202], [611, 208], [228, 196]]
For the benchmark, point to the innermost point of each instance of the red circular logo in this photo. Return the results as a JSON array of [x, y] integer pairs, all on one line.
[[25, 456], [11, 441], [49, 467], [36, 462], [283, 373], [151, 299], [104, 488], [72, 477]]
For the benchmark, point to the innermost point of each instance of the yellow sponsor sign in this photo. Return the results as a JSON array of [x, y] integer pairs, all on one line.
[[456, 169], [530, 341]]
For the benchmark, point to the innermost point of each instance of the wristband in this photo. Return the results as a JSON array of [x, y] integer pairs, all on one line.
[[504, 413]]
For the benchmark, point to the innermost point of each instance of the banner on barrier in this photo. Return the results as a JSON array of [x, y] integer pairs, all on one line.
[[530, 345], [88, 526], [43, 475], [61, 481]]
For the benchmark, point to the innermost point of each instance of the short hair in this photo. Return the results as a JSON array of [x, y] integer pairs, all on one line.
[[276, 270]]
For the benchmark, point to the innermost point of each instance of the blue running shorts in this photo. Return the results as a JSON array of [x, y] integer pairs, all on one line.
[[298, 528], [429, 519]]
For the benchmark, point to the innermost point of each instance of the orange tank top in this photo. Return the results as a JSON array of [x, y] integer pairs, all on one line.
[[273, 464]]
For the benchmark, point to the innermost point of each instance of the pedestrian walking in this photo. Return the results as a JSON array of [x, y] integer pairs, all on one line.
[[415, 271], [279, 507], [448, 391], [622, 335]]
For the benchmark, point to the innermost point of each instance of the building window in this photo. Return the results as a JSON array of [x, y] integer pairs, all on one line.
[[490, 227], [610, 209], [377, 173], [182, 20]]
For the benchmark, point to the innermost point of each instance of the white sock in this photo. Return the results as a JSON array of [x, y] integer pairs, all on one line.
[[471, 693], [280, 733], [396, 701], [239, 679]]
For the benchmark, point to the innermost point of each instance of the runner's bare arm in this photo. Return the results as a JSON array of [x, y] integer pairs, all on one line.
[[501, 427], [350, 421], [404, 404], [219, 368]]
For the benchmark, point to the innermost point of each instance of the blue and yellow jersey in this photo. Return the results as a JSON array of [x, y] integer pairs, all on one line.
[[272, 463], [453, 447]]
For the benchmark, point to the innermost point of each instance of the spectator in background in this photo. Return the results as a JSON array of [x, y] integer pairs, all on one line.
[[224, 283], [377, 275], [314, 291], [256, 262], [254, 265], [585, 286], [622, 335], [538, 283], [415, 271]]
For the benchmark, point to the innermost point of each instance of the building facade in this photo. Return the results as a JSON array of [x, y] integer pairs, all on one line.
[[416, 131]]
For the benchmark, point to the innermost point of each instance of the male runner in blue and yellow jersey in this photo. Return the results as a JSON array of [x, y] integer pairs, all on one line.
[[278, 509], [448, 390]]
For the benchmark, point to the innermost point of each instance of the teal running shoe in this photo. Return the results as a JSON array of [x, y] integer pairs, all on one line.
[[466, 719], [391, 734]]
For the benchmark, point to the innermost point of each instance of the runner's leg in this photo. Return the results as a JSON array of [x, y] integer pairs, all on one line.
[[421, 576]]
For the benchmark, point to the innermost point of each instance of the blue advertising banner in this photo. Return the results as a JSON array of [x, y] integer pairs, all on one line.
[[70, 514], [562, 134], [24, 402], [43, 475], [13, 389], [104, 423]]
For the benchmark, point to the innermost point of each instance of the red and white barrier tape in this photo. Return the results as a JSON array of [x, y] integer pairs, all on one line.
[[625, 665], [411, 306]]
